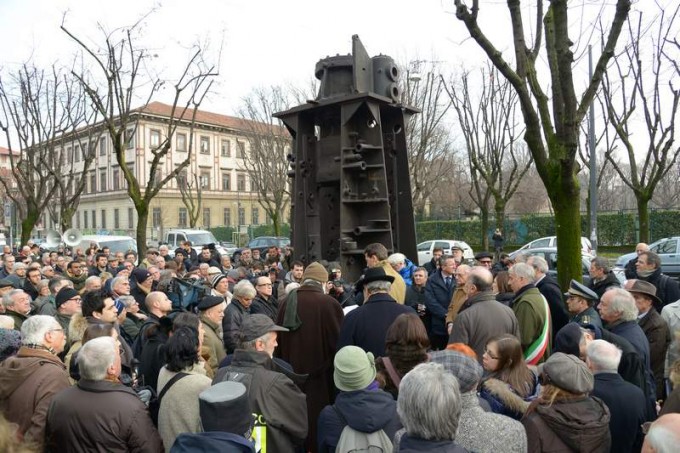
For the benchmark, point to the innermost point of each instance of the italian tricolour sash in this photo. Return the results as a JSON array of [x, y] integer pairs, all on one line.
[[536, 350]]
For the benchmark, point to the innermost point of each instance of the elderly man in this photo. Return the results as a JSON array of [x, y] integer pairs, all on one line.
[[625, 401], [120, 286], [438, 294], [17, 306], [429, 406], [164, 252], [18, 275], [532, 312], [580, 301], [236, 312], [415, 297], [403, 266], [376, 256], [486, 318], [367, 325], [630, 269], [314, 319], [663, 435], [655, 328], [30, 380], [550, 289], [99, 413], [648, 268], [484, 259], [93, 283], [211, 310], [265, 302], [460, 295], [601, 276], [277, 403], [671, 314], [68, 303]]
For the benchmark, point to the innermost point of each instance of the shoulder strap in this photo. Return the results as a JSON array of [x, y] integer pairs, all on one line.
[[170, 383], [394, 376]]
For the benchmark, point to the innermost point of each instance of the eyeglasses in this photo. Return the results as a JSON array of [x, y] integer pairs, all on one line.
[[485, 261], [77, 299], [56, 330], [490, 355]]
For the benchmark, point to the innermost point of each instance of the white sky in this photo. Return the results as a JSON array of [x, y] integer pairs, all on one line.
[[267, 42]]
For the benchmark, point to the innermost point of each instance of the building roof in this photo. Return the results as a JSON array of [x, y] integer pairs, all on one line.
[[5, 152]]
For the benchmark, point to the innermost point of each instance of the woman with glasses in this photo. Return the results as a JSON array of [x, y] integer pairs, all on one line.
[[509, 385]]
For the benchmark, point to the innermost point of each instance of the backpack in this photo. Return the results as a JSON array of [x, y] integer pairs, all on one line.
[[353, 441], [138, 344]]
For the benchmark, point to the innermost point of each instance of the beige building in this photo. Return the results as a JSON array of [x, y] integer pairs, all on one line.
[[219, 142]]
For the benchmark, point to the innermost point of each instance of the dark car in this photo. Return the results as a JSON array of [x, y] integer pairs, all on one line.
[[550, 255], [262, 244]]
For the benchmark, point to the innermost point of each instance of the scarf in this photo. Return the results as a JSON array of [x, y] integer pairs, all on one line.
[[291, 320]]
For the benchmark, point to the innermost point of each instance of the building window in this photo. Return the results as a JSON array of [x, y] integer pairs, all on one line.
[[78, 219], [226, 217], [206, 217], [205, 144], [94, 219], [181, 142], [205, 180], [182, 220], [102, 146], [226, 148], [241, 216], [156, 217], [240, 149], [155, 139], [253, 184], [85, 220], [116, 178], [103, 219], [93, 183], [256, 216], [241, 182], [226, 182], [116, 218], [102, 180], [69, 154], [131, 218], [76, 154], [130, 138]]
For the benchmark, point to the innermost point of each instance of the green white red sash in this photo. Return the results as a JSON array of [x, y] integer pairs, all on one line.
[[536, 350]]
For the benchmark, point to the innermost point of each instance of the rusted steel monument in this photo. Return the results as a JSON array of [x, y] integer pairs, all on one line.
[[349, 164]]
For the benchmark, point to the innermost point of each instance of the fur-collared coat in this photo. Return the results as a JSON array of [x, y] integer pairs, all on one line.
[[503, 399]]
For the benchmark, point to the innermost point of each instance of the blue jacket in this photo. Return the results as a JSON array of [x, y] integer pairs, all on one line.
[[212, 442], [407, 272], [437, 300], [365, 410], [367, 325]]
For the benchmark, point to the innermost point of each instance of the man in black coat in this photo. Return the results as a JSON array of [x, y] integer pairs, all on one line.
[[438, 294], [630, 270], [549, 288], [626, 402], [367, 325], [601, 277], [433, 265], [649, 269]]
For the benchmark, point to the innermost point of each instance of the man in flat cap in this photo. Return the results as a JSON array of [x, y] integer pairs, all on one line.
[[580, 300], [367, 325], [484, 259], [278, 405], [211, 311]]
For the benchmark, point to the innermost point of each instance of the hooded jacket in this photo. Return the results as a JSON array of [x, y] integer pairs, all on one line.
[[212, 442], [28, 382], [503, 399], [365, 410], [580, 425]]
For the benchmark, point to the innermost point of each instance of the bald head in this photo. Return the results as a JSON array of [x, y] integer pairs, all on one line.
[[641, 247], [157, 302], [664, 435], [479, 279]]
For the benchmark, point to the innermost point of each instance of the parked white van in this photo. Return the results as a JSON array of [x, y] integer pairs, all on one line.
[[114, 243], [173, 238]]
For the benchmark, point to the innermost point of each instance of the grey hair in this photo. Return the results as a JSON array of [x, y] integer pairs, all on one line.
[[250, 345], [429, 403], [117, 281], [380, 285], [244, 289], [92, 279], [396, 258], [601, 263], [42, 284], [603, 356], [127, 300], [18, 266], [623, 302], [539, 263], [663, 438], [95, 357], [523, 270], [33, 330], [58, 282], [8, 298], [290, 287]]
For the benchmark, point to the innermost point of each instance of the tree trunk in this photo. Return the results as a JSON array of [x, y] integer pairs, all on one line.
[[27, 224], [484, 227], [66, 221], [276, 223], [643, 217], [500, 213], [567, 228], [142, 219]]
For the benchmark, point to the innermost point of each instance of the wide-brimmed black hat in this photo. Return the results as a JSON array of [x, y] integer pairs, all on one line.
[[373, 274]]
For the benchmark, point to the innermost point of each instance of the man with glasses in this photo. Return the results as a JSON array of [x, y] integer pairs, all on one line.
[[460, 295], [29, 380], [68, 303], [485, 259], [265, 302]]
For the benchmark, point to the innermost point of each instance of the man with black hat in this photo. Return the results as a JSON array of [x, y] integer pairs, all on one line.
[[484, 259], [68, 302], [580, 300], [211, 310], [277, 404], [367, 325], [144, 285], [654, 326]]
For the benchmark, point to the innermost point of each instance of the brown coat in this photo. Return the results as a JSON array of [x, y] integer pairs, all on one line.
[[659, 336], [28, 382], [398, 287], [310, 349], [457, 301]]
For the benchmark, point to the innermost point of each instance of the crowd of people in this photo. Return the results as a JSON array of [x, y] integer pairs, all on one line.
[[97, 353]]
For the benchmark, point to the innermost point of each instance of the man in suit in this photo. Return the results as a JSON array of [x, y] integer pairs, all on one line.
[[438, 293], [547, 286]]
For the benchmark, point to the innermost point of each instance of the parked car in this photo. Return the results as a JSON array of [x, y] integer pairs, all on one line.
[[550, 255], [668, 250], [262, 244], [425, 249], [551, 241], [173, 238]]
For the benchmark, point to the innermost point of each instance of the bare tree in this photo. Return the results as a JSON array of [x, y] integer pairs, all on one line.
[[268, 142], [121, 65], [628, 89], [552, 119], [191, 191], [427, 134], [490, 128], [37, 108]]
